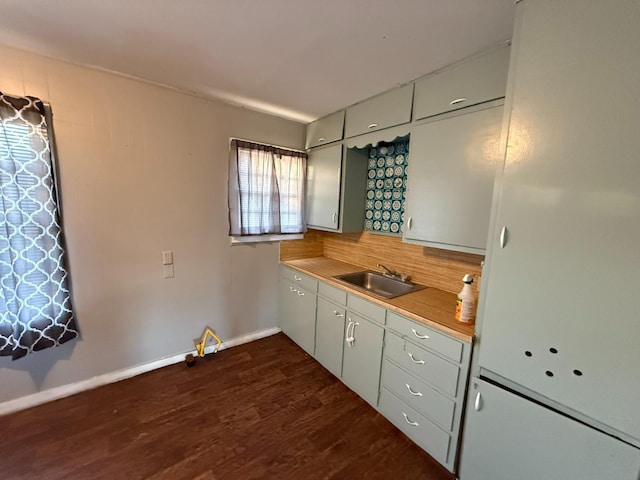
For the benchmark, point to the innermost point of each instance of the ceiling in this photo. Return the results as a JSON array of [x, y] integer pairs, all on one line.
[[299, 59]]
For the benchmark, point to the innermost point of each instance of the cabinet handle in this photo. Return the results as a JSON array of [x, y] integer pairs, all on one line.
[[297, 278], [321, 139], [338, 314], [503, 236], [333, 217], [419, 362], [422, 337], [372, 125], [406, 419], [457, 100], [348, 337], [415, 394], [478, 403], [352, 339], [409, 222], [300, 293], [292, 289]]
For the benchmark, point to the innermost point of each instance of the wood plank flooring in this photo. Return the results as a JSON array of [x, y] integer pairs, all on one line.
[[263, 410]]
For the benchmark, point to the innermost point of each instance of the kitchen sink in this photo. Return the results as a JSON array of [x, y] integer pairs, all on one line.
[[377, 284]]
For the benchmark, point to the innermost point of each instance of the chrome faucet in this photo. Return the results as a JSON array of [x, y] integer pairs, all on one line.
[[387, 272]]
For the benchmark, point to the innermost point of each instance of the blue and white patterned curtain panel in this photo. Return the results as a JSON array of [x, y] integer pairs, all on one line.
[[35, 307], [386, 184]]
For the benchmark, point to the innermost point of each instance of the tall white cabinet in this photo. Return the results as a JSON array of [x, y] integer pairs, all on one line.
[[561, 318]]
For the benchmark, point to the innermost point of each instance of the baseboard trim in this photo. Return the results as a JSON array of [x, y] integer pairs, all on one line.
[[56, 393]]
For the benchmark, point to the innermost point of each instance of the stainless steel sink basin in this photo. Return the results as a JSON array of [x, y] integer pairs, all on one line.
[[377, 284]]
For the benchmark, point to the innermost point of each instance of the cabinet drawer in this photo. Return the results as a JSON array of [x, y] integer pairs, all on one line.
[[366, 308], [325, 130], [386, 110], [479, 80], [427, 435], [300, 279], [332, 293], [419, 395], [437, 372], [425, 336]]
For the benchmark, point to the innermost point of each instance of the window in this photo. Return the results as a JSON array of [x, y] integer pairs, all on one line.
[[35, 306], [266, 190]]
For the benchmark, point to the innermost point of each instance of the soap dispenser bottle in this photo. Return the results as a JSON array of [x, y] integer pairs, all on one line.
[[466, 304]]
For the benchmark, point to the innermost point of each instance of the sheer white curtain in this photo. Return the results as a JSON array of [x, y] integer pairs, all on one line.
[[266, 189]]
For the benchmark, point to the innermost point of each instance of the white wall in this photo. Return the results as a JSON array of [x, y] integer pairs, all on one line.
[[143, 169]]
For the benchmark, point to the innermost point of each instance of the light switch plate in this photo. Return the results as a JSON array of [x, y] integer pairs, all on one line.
[[167, 257]]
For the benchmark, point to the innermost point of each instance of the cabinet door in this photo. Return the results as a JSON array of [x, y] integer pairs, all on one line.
[[450, 182], [362, 357], [325, 130], [507, 437], [564, 287], [324, 175], [298, 314], [475, 81], [329, 331], [383, 111]]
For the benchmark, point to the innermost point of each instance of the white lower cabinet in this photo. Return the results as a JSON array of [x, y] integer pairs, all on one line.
[[416, 426], [413, 374], [329, 333], [362, 357], [423, 386], [298, 308]]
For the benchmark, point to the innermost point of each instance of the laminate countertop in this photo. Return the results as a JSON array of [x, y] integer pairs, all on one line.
[[433, 307]]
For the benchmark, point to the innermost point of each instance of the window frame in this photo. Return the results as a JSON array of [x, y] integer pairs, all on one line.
[[266, 237]]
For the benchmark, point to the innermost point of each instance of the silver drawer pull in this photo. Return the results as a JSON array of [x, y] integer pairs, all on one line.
[[406, 419], [292, 289], [338, 314], [372, 125], [423, 337], [321, 139], [300, 293], [415, 394], [297, 278], [457, 100], [419, 362]]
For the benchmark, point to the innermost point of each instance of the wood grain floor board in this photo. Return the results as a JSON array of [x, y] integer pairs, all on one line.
[[263, 410]]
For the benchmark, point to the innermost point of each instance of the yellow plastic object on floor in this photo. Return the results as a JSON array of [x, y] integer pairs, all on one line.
[[201, 345]]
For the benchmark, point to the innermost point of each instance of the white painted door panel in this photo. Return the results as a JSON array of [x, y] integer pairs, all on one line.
[[508, 437], [324, 177], [565, 286], [450, 180]]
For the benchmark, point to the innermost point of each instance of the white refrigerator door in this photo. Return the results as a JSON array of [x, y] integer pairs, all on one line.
[[508, 437]]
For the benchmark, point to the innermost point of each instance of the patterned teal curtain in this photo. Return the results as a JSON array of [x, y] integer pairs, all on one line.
[[35, 307]]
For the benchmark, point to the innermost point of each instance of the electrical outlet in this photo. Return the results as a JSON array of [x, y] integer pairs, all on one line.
[[167, 257], [167, 271]]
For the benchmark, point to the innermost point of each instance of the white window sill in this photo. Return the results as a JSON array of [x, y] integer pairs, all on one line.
[[265, 238]]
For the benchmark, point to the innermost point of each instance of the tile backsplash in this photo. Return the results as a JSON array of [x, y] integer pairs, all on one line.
[[386, 184]]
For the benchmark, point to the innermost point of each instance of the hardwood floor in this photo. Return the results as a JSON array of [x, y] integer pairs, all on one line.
[[263, 410]]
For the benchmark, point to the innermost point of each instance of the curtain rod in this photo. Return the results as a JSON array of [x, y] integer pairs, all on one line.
[[266, 144]]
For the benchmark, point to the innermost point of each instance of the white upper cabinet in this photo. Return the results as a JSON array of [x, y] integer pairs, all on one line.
[[383, 111], [325, 130], [478, 80], [336, 183], [450, 180]]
